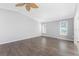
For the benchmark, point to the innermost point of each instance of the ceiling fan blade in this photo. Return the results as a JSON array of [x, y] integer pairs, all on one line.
[[27, 4], [20, 4], [33, 5]]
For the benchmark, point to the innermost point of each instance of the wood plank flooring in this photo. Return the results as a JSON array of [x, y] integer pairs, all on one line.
[[39, 46]]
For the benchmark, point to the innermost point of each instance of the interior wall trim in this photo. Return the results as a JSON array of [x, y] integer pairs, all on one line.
[[58, 38], [29, 37]]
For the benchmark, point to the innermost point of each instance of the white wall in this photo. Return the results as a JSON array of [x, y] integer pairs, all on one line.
[[76, 25], [14, 26], [53, 29]]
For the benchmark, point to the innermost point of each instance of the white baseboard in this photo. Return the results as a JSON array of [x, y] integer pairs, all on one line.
[[59, 38], [64, 39], [31, 36]]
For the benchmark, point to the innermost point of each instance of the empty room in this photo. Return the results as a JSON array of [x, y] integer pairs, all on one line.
[[39, 29]]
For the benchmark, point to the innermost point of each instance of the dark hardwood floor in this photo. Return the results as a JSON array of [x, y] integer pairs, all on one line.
[[39, 46]]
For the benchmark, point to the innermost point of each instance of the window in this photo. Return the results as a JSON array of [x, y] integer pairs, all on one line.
[[43, 29], [63, 27]]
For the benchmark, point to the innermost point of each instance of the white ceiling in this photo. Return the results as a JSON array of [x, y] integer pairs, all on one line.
[[46, 11]]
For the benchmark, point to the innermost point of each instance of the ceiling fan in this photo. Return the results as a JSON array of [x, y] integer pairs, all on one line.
[[28, 6]]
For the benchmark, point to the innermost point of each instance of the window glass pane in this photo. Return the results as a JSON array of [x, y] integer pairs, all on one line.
[[63, 27]]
